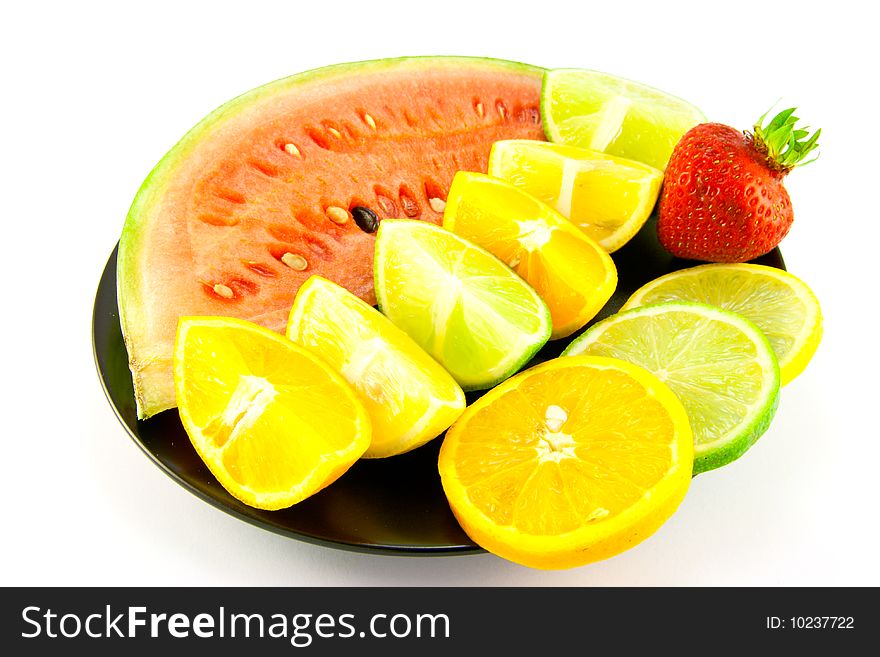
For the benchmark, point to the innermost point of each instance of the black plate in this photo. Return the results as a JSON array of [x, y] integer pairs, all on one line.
[[392, 506]]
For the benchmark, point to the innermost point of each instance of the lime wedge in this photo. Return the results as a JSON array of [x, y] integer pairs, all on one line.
[[779, 303], [718, 363], [606, 113], [460, 303], [609, 198]]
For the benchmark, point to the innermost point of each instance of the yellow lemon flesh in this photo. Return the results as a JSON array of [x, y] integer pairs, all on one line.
[[273, 423], [410, 398], [607, 197], [572, 274]]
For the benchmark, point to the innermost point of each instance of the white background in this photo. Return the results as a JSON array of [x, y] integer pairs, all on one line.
[[94, 94]]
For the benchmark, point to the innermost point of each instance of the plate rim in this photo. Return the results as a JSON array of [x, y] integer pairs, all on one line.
[[773, 258], [340, 544]]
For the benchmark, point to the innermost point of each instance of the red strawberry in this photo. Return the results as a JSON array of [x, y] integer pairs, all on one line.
[[723, 198]]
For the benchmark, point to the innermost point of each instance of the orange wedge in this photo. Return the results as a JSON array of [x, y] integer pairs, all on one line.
[[273, 423], [569, 462], [573, 274]]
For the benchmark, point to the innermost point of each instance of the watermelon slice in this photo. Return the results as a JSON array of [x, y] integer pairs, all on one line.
[[287, 180]]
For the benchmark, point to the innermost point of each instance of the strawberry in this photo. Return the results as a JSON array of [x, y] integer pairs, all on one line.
[[723, 198]]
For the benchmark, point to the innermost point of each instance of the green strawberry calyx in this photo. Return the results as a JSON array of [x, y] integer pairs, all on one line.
[[785, 146]]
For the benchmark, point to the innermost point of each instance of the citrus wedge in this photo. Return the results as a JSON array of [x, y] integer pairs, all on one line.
[[719, 364], [461, 304], [779, 303], [606, 113], [569, 462], [607, 197], [573, 274], [409, 397], [273, 423]]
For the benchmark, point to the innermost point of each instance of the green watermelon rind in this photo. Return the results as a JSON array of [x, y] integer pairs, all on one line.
[[129, 256]]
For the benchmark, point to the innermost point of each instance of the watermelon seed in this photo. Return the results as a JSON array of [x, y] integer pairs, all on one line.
[[365, 218], [383, 198], [435, 195], [370, 121], [527, 114], [502, 109], [294, 261], [292, 149], [223, 291], [334, 132], [258, 268], [478, 108], [337, 215], [217, 219], [408, 202]]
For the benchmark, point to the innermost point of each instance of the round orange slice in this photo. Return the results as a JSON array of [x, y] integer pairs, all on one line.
[[570, 462], [273, 423]]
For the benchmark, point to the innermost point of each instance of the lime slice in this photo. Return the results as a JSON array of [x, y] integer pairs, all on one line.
[[779, 303], [610, 114], [718, 363], [409, 397], [461, 304], [609, 198]]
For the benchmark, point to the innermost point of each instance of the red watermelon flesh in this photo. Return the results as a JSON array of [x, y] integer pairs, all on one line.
[[257, 197]]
